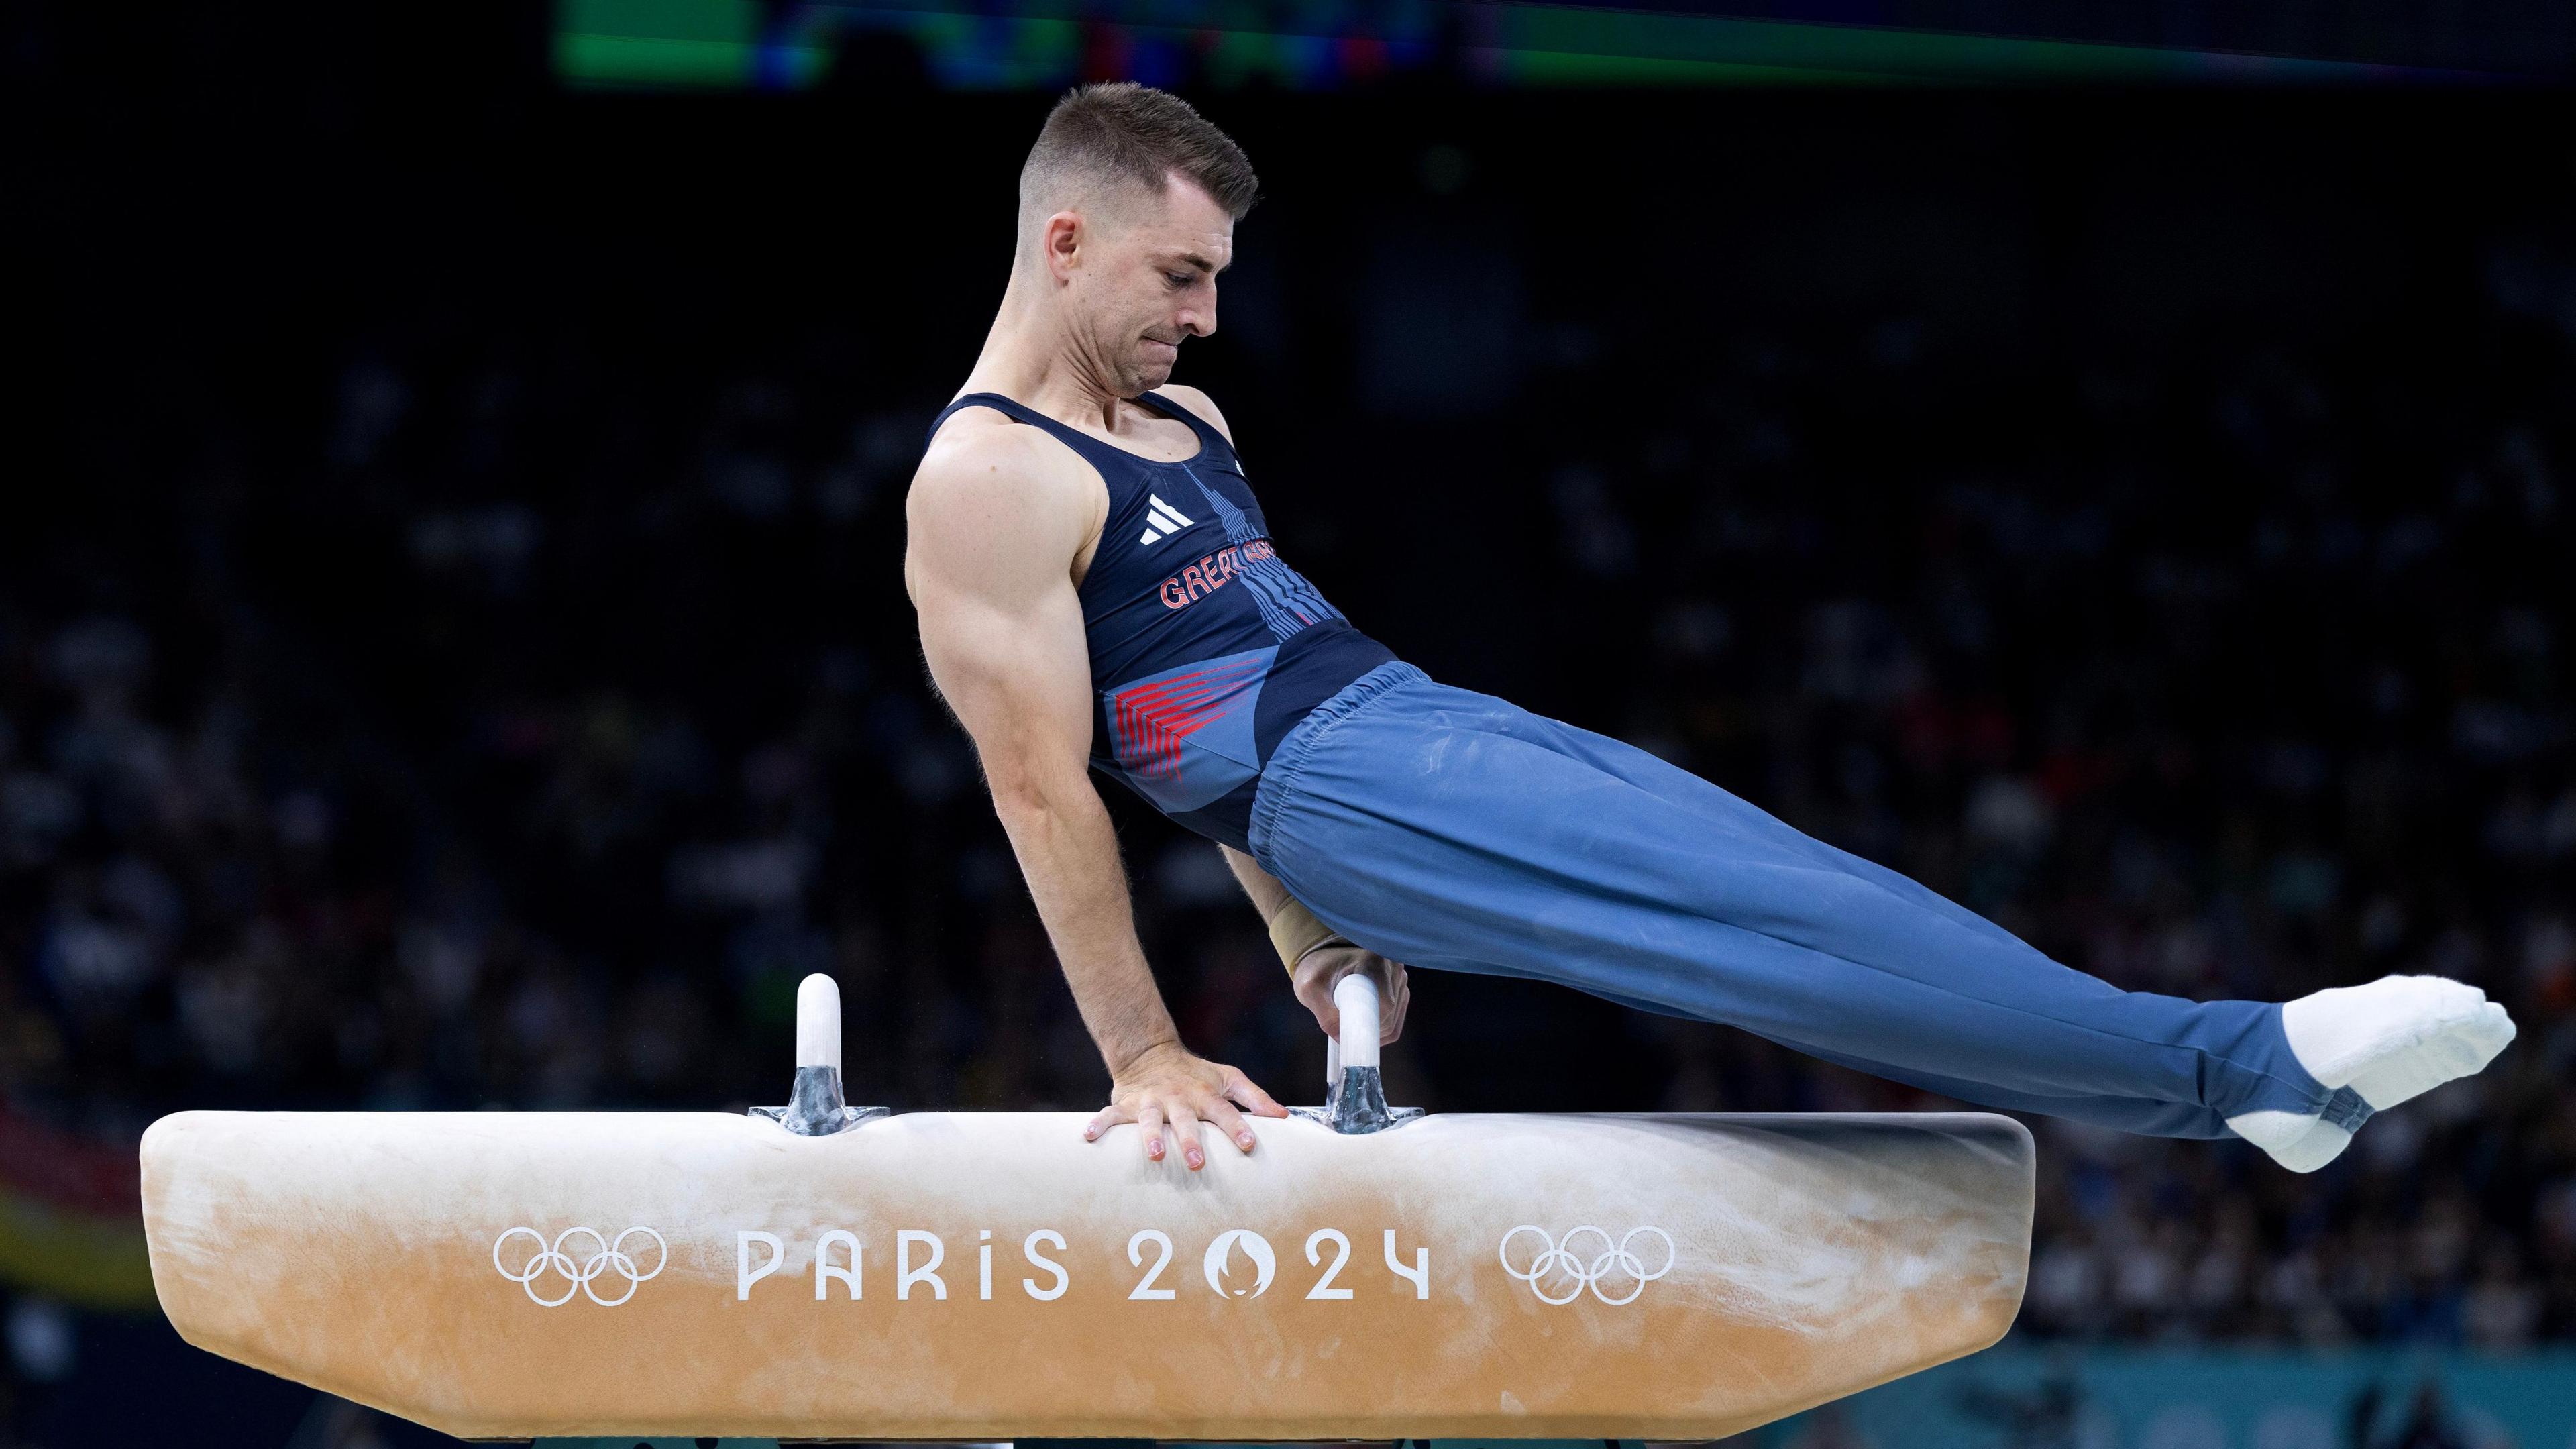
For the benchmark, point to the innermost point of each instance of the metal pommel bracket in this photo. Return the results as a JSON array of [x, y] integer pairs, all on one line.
[[815, 1108], [1357, 1093]]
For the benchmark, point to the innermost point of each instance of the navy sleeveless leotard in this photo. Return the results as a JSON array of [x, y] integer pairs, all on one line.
[[1206, 648]]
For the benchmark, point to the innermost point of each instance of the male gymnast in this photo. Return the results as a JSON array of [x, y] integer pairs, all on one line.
[[1096, 584]]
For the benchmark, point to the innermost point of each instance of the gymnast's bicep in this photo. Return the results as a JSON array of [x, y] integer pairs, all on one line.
[[988, 560]]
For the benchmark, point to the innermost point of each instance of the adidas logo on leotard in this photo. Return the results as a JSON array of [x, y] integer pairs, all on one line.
[[1162, 521]]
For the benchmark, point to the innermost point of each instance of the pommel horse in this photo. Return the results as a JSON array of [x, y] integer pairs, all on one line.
[[821, 1271]]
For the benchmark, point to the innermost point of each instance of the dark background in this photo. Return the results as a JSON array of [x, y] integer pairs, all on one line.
[[452, 650]]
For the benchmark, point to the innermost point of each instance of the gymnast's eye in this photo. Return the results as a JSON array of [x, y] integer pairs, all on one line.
[[1178, 280]]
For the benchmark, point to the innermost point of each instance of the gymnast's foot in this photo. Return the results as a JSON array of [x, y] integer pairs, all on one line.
[[2390, 1041]]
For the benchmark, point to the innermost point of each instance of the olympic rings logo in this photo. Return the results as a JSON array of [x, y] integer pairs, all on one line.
[[1559, 1263], [582, 1276]]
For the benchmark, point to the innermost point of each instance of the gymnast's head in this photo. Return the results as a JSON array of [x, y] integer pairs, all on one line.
[[1127, 209]]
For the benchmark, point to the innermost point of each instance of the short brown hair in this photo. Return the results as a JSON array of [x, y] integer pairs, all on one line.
[[1119, 131]]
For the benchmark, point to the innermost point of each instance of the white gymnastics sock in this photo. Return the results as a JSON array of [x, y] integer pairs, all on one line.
[[2298, 1141], [2390, 1041], [2397, 1038]]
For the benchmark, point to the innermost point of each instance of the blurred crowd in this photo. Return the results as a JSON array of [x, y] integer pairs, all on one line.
[[520, 726], [2246, 680], [2251, 686]]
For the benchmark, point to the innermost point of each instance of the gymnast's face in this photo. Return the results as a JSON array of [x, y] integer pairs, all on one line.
[[1137, 278]]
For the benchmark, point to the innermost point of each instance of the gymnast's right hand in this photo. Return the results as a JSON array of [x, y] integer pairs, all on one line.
[[1167, 1089]]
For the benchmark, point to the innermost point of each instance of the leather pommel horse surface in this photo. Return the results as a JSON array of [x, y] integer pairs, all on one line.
[[992, 1276]]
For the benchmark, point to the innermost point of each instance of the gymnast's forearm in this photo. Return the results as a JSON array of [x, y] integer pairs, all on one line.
[[1267, 894], [1069, 854], [1294, 930]]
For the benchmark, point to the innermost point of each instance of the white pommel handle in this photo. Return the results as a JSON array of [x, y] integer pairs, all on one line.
[[1355, 997], [818, 1022]]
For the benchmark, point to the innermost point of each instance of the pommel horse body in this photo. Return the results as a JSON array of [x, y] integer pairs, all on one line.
[[824, 1272]]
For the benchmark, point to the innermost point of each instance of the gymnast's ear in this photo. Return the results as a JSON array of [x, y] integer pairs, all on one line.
[[1061, 238]]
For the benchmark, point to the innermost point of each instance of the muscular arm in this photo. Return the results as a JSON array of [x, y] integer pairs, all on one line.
[[994, 527], [1316, 973], [1268, 895]]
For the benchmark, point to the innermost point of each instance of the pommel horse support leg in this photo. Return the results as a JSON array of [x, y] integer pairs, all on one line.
[[990, 1275]]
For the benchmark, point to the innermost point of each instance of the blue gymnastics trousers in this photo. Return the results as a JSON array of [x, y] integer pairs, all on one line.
[[1453, 831]]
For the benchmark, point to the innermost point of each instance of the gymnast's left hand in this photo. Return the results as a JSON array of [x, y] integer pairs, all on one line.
[[1166, 1088], [1321, 969]]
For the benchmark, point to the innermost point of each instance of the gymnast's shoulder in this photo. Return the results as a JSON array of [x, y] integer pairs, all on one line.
[[981, 452], [1199, 403]]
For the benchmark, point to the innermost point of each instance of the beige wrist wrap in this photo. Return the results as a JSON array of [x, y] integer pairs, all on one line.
[[1295, 931]]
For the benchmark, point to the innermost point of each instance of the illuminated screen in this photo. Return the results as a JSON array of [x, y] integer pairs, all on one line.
[[1320, 45]]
